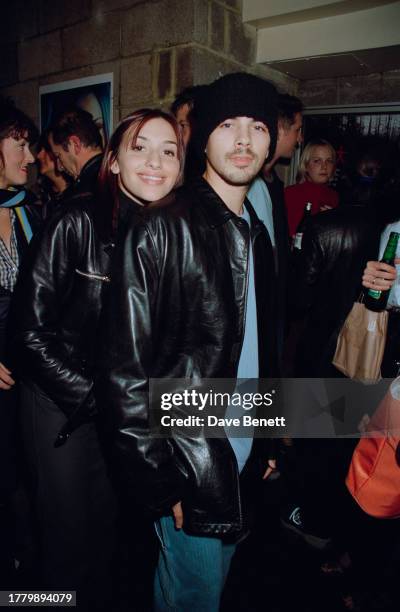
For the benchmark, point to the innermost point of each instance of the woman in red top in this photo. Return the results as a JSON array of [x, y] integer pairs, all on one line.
[[317, 165]]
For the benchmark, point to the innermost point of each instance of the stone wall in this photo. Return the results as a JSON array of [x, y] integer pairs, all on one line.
[[154, 48]]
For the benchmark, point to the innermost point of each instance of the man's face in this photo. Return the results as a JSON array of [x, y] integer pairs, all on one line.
[[16, 157], [237, 149], [66, 159], [289, 137], [182, 117]]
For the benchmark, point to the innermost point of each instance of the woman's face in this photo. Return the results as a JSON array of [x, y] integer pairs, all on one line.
[[149, 170], [321, 166], [17, 156], [46, 162]]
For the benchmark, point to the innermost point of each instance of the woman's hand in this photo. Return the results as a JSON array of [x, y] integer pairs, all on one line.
[[378, 275], [6, 380], [271, 467]]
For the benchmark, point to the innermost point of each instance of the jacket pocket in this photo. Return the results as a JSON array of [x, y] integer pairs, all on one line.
[[94, 276]]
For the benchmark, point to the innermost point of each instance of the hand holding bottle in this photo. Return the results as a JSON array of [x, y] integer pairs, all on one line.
[[376, 298], [379, 276]]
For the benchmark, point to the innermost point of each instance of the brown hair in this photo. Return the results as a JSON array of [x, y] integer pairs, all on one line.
[[78, 122], [131, 126], [15, 124]]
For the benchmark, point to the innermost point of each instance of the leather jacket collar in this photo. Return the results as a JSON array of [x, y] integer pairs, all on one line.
[[87, 178], [216, 211]]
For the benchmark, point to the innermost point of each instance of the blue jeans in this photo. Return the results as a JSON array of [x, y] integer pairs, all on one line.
[[191, 570]]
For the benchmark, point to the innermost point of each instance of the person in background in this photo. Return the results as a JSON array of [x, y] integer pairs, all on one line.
[[55, 311], [317, 166], [266, 194], [359, 184], [77, 145], [381, 277], [379, 570], [58, 303], [325, 282], [17, 224], [52, 185], [183, 109]]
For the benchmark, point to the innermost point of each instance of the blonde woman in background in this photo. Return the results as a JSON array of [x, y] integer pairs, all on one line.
[[317, 166]]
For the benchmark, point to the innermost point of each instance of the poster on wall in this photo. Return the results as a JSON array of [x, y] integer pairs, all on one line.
[[94, 94]]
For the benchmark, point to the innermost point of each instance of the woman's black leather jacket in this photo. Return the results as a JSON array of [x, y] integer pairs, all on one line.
[[176, 310]]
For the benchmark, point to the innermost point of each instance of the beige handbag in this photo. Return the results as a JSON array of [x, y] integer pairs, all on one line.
[[361, 343]]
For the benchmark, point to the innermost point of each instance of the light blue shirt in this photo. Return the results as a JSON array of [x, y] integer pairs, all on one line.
[[259, 198], [248, 362]]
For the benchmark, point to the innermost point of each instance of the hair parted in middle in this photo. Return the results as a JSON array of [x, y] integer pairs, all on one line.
[[130, 127], [308, 153]]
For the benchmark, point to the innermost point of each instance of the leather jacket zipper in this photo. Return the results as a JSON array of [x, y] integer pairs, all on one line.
[[101, 277], [249, 246]]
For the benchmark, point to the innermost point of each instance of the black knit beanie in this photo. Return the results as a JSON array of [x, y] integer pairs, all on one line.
[[235, 95]]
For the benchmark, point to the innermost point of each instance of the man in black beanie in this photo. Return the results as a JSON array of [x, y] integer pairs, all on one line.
[[192, 297]]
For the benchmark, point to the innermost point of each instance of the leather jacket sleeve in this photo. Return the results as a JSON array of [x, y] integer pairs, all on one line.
[[129, 341], [41, 298]]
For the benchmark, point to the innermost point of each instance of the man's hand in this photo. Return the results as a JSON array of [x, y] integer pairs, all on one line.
[[6, 380], [325, 207], [178, 515], [378, 275], [271, 468]]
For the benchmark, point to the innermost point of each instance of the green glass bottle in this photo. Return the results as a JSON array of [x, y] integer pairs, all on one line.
[[377, 300]]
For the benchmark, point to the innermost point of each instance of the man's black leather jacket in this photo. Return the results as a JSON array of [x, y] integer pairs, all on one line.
[[176, 310], [57, 306]]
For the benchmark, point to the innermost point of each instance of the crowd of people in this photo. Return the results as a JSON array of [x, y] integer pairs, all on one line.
[[168, 255]]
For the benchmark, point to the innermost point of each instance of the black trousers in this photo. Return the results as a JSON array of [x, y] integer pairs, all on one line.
[[391, 357], [8, 411], [73, 500]]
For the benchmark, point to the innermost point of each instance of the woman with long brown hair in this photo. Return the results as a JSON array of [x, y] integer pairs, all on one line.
[[59, 301], [142, 163]]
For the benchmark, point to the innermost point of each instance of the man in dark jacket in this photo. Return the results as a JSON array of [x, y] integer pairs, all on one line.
[[76, 143], [57, 305], [192, 297], [267, 197]]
